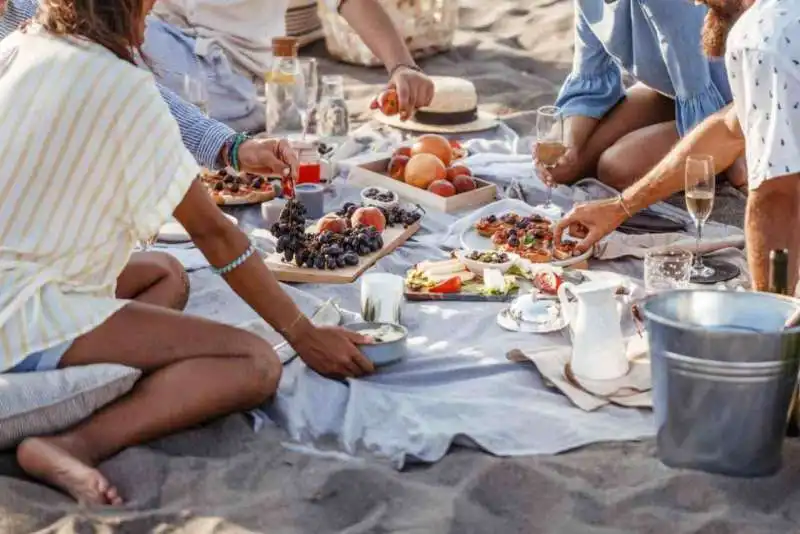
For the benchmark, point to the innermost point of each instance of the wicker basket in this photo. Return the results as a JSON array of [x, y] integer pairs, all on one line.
[[428, 27]]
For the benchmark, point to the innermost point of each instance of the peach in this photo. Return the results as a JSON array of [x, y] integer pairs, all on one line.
[[423, 169], [457, 170], [443, 188], [369, 216], [464, 183], [403, 151], [397, 167], [333, 223], [434, 144]]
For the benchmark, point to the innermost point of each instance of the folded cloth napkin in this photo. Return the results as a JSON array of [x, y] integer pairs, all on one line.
[[631, 390], [618, 245]]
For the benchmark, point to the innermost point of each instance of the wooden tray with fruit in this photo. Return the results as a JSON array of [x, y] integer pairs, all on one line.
[[341, 245], [427, 173]]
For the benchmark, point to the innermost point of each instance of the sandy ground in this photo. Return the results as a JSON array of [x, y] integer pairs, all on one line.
[[223, 478]]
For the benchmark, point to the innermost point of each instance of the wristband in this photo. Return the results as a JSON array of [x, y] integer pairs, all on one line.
[[234, 152], [235, 263]]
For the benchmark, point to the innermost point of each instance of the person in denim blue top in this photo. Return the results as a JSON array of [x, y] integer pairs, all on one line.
[[618, 134]]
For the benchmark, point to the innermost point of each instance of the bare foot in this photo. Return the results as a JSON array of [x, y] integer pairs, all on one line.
[[44, 459]]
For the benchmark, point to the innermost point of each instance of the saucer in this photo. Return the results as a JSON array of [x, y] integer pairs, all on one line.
[[548, 319]]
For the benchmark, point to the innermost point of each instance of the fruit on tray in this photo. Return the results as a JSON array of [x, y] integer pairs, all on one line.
[[443, 188], [403, 151], [368, 216], [462, 184], [327, 249], [435, 145], [424, 169], [332, 223], [397, 167], [381, 195], [457, 170]]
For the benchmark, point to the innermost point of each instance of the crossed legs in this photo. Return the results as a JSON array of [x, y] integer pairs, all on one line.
[[193, 370]]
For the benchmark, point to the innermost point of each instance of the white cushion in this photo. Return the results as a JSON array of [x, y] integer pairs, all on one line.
[[45, 402]]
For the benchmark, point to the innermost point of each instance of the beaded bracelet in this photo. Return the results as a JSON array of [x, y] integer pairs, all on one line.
[[234, 155], [235, 263]]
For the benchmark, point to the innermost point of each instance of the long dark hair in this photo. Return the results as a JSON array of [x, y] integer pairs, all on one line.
[[115, 24]]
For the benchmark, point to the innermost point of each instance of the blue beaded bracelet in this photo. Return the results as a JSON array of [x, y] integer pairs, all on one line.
[[235, 263]]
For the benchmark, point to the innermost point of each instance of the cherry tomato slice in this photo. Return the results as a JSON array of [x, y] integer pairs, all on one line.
[[547, 283], [451, 285]]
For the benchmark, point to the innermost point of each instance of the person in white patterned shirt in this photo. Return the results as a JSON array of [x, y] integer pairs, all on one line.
[[91, 161], [761, 44]]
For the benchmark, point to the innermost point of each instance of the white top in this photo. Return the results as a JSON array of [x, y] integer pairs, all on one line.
[[91, 161], [243, 29], [452, 95], [763, 62]]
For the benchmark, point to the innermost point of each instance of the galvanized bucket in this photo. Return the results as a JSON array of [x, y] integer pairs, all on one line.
[[724, 371]]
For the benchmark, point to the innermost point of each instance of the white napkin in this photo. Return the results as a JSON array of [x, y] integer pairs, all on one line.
[[631, 390], [618, 245]]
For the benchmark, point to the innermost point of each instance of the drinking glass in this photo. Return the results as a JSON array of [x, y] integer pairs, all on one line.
[[332, 118], [307, 90], [195, 90], [700, 187], [667, 270], [381, 298], [549, 146]]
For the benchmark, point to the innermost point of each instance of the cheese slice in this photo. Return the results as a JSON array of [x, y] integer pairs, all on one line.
[[441, 267], [493, 279], [465, 276]]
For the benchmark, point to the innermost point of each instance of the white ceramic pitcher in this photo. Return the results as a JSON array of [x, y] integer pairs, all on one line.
[[598, 349]]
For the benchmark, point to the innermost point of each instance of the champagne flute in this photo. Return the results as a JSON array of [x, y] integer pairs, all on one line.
[[195, 91], [700, 187], [549, 145], [307, 90]]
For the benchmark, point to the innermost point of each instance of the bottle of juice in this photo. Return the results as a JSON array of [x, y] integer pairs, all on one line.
[[283, 115]]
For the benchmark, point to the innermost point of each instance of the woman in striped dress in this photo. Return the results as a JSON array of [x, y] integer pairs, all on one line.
[[91, 162]]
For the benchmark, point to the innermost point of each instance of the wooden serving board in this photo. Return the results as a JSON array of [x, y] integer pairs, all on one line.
[[424, 296], [393, 237]]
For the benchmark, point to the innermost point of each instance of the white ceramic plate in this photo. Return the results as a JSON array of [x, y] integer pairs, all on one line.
[[507, 321], [472, 240], [173, 232]]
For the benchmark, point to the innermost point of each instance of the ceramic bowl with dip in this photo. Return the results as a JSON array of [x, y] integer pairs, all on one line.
[[379, 197], [477, 261], [389, 341]]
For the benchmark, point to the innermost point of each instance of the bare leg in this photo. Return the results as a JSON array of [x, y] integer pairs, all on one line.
[[633, 156], [642, 107], [195, 369], [154, 278]]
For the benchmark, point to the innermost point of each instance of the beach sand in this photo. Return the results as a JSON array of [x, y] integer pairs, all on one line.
[[223, 478]]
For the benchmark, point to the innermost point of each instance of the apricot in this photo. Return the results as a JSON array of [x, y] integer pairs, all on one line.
[[397, 167], [423, 169], [434, 144], [369, 216], [443, 188], [457, 170], [464, 183], [388, 103]]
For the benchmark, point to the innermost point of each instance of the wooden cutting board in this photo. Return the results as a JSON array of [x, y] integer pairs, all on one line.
[[289, 272]]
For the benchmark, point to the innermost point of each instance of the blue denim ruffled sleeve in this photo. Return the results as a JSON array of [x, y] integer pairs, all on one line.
[[595, 84]]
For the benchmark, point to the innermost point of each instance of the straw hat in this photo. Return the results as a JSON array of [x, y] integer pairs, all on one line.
[[454, 109]]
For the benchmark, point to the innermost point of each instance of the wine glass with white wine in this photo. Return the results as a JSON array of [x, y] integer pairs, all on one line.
[[700, 189], [549, 147]]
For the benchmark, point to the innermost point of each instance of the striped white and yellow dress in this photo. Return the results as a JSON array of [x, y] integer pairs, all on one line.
[[91, 161]]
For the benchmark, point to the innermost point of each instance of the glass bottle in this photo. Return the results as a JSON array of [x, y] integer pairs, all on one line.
[[333, 120], [281, 89]]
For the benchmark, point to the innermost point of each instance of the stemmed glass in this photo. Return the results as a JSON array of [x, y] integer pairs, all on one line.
[[700, 188], [549, 146], [307, 90], [195, 90]]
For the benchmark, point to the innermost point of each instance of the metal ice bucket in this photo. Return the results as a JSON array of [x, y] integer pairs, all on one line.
[[724, 371]]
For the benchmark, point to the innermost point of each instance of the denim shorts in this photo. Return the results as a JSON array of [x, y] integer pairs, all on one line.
[[45, 360]]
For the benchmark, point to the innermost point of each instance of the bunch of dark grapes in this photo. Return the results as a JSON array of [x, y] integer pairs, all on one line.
[[399, 216], [291, 231]]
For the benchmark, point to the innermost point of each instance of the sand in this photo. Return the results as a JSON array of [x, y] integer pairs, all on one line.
[[223, 478]]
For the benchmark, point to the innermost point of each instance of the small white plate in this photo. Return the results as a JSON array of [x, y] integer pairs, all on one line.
[[173, 232], [507, 321]]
